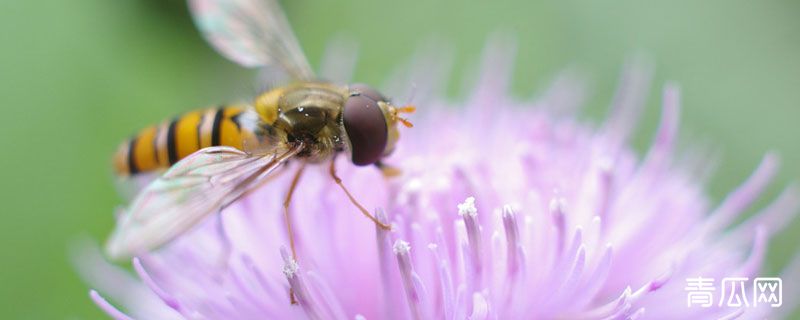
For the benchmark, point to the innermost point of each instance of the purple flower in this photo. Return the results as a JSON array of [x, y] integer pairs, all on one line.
[[506, 209]]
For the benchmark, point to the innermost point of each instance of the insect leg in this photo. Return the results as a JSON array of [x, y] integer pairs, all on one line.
[[287, 201], [353, 200], [289, 232]]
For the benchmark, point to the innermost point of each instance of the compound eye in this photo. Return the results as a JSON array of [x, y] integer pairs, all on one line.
[[368, 91], [366, 129]]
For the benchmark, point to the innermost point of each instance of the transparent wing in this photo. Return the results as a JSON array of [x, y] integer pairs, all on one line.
[[130, 186], [252, 33], [195, 187]]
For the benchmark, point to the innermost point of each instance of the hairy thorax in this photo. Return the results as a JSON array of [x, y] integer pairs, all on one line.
[[308, 113]]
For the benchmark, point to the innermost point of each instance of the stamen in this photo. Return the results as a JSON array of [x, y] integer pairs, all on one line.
[[297, 286], [733, 315], [610, 310], [328, 300], [557, 208], [776, 216], [653, 285], [637, 315], [513, 246], [149, 282], [595, 280], [790, 274], [401, 247], [628, 100], [576, 272], [266, 286], [664, 142], [606, 177], [109, 309], [568, 257], [290, 268], [753, 263], [468, 208], [445, 281], [744, 195], [411, 282], [469, 213], [480, 307], [385, 263], [245, 281]]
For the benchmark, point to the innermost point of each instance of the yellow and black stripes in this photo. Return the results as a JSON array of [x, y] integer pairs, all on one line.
[[161, 146]]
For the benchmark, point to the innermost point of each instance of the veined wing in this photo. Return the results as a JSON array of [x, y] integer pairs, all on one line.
[[252, 33], [195, 187]]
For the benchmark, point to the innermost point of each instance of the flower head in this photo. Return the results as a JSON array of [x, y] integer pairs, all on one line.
[[505, 210]]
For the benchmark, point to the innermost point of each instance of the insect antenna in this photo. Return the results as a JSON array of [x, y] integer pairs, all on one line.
[[405, 109]]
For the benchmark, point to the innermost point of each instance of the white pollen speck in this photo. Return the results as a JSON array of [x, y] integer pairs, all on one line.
[[468, 208], [414, 184], [290, 268], [605, 164], [507, 211], [432, 246], [401, 247], [558, 204]]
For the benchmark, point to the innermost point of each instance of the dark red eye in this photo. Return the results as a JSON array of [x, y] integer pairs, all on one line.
[[366, 90], [366, 129]]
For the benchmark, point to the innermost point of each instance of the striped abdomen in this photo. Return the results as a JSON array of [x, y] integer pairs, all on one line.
[[159, 147]]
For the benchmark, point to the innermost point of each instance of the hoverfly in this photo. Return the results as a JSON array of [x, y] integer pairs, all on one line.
[[215, 156]]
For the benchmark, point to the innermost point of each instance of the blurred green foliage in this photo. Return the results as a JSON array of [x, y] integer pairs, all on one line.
[[77, 77]]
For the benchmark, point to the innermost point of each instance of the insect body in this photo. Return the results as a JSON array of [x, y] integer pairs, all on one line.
[[303, 112], [158, 147], [217, 155]]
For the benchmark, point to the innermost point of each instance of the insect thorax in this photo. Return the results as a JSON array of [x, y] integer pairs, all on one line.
[[305, 112]]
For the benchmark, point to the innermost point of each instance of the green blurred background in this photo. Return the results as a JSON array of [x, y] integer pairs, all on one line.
[[77, 77]]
